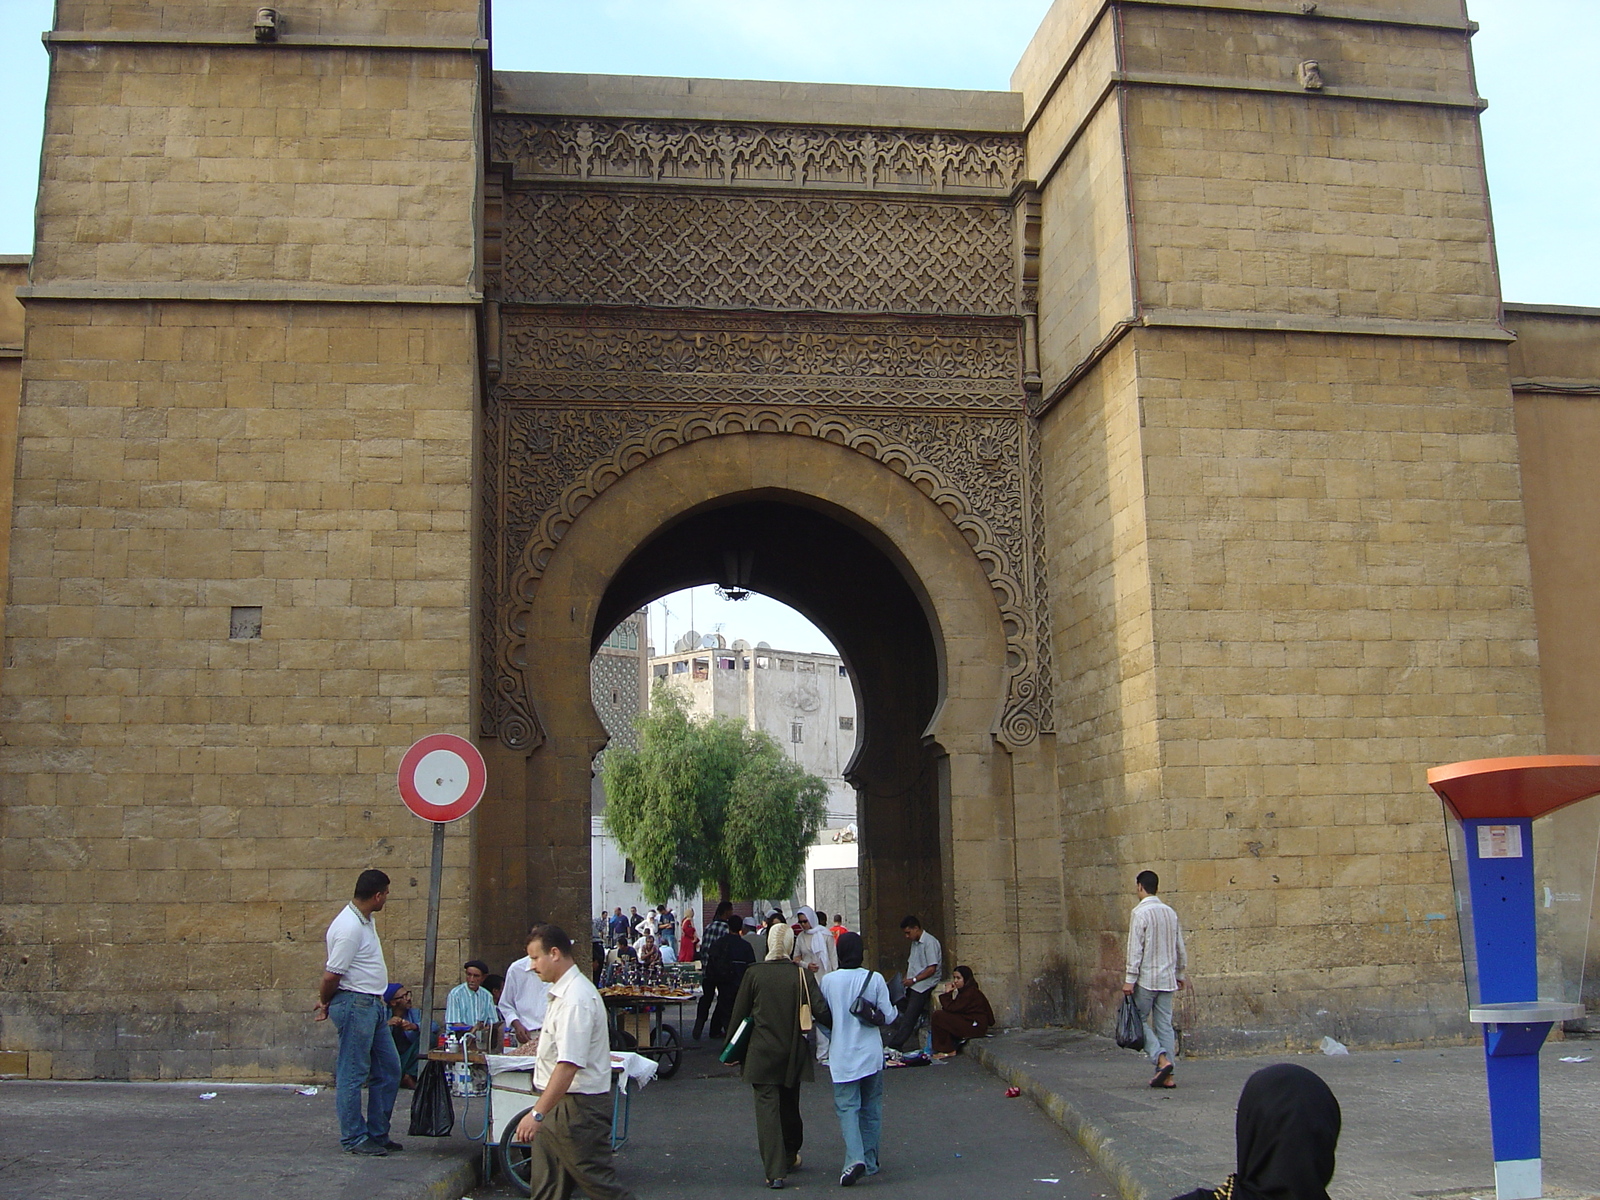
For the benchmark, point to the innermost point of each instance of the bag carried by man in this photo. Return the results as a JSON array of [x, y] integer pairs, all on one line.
[[1130, 1026]]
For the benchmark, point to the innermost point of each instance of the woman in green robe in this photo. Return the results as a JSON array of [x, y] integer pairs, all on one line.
[[778, 1056]]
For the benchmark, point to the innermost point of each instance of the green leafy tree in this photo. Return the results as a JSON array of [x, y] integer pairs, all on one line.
[[710, 803]]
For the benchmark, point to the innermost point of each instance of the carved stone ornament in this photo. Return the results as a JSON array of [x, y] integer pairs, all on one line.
[[559, 355], [550, 462], [714, 153], [713, 250]]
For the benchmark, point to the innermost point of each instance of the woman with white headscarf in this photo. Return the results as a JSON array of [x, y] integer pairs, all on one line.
[[777, 1055], [813, 944]]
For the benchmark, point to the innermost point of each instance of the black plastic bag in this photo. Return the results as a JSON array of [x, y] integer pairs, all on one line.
[[432, 1114], [1130, 1028]]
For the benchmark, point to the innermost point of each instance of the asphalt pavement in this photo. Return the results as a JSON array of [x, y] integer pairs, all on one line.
[[1088, 1127], [1416, 1122], [949, 1131]]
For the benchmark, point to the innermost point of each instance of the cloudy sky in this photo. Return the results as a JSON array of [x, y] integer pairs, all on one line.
[[1535, 62]]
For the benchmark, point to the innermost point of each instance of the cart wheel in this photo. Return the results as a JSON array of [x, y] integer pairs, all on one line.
[[671, 1053], [515, 1159], [622, 1040]]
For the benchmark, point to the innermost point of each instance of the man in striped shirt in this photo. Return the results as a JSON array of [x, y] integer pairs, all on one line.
[[1156, 967]]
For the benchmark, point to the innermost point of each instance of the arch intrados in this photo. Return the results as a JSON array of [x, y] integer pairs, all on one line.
[[910, 529], [616, 607]]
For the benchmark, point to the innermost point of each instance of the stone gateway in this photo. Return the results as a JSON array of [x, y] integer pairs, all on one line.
[[1151, 439]]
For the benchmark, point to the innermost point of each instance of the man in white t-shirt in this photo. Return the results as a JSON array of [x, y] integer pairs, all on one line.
[[353, 983], [569, 1126]]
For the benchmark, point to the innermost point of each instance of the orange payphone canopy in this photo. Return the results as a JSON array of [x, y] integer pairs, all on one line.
[[1531, 786]]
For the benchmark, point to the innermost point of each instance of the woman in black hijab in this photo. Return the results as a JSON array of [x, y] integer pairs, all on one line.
[[1286, 1133]]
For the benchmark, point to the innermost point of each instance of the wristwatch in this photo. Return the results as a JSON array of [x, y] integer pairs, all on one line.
[[538, 1116]]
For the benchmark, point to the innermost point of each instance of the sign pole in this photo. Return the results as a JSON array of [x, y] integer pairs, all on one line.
[[430, 954], [441, 779]]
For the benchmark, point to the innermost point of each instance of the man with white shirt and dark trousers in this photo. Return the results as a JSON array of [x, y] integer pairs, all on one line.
[[568, 1130], [1156, 967], [523, 1002], [353, 983], [921, 977]]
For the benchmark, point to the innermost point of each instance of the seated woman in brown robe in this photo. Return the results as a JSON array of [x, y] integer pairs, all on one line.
[[965, 1013]]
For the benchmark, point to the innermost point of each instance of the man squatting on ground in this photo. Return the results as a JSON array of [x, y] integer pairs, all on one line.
[[353, 983], [922, 976], [1156, 967], [569, 1127]]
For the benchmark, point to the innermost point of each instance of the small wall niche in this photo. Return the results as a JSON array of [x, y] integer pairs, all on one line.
[[244, 622]]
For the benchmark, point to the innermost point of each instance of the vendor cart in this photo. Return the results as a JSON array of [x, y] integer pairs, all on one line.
[[510, 1096], [637, 1022]]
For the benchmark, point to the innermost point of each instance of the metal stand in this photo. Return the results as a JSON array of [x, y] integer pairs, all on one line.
[[430, 954]]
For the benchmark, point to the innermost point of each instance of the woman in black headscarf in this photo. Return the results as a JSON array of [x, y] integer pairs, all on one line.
[[1286, 1133]]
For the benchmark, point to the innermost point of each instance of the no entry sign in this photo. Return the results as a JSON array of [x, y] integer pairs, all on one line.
[[442, 777]]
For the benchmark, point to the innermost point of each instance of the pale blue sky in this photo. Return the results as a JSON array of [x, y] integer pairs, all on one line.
[[1535, 64]]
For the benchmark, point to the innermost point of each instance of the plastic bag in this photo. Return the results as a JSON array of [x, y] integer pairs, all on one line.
[[432, 1114], [1130, 1028]]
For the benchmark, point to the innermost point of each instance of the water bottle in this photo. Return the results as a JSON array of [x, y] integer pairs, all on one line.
[[927, 1040]]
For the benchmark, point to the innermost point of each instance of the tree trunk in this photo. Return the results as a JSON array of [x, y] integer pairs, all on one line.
[[724, 889]]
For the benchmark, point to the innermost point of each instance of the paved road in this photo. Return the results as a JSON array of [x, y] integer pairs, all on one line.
[[143, 1141], [949, 1132]]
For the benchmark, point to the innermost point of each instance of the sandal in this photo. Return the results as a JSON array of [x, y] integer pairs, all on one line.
[[1163, 1077]]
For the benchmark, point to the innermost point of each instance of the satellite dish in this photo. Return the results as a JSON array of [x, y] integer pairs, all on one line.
[[763, 645], [741, 644], [688, 641]]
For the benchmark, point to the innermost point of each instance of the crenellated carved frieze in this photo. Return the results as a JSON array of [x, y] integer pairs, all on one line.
[[777, 253], [551, 460], [726, 154], [690, 358]]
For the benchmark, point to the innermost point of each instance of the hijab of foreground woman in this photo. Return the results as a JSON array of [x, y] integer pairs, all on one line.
[[1286, 1133]]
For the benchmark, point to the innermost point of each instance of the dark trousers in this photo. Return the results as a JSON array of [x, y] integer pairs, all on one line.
[[905, 1025], [779, 1131], [708, 1000], [719, 1020], [573, 1150]]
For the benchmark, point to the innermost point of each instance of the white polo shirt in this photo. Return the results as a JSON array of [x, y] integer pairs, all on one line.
[[575, 1032], [355, 954]]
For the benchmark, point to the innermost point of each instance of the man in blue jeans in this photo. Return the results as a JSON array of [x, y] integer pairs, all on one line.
[[353, 984]]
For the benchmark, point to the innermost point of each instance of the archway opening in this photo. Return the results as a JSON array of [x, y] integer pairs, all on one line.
[[829, 566]]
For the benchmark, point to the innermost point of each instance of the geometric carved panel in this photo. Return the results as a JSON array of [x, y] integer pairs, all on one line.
[[794, 253]]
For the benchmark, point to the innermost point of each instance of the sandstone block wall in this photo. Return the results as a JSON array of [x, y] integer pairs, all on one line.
[[1289, 568], [184, 811], [250, 394]]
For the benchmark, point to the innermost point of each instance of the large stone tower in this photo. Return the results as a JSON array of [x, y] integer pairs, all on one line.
[[243, 552], [1286, 529]]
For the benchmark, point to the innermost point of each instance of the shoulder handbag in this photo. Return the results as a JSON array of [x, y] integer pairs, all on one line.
[[807, 1028], [865, 1010]]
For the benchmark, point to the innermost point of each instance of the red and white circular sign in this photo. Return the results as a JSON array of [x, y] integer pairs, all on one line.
[[442, 777]]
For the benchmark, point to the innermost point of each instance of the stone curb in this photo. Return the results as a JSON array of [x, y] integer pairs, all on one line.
[[1102, 1148], [457, 1181]]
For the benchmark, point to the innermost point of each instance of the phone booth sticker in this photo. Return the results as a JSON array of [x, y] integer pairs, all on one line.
[[1499, 841]]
